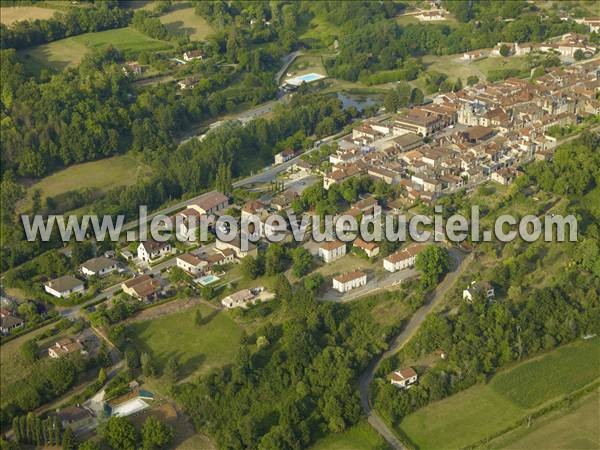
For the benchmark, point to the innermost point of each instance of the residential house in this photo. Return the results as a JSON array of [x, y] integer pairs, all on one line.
[[418, 121], [99, 266], [403, 259], [192, 264], [404, 378], [192, 55], [284, 200], [284, 156], [152, 250], [350, 280], [239, 299], [240, 250], [132, 68], [472, 56], [9, 321], [66, 347], [430, 16], [504, 176], [483, 289], [64, 287], [213, 202], [332, 250], [371, 249], [76, 418], [144, 288], [187, 83]]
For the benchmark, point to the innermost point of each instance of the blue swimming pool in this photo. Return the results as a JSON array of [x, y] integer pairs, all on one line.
[[207, 279]]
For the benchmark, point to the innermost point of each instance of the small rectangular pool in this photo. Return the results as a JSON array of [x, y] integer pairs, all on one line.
[[207, 279]]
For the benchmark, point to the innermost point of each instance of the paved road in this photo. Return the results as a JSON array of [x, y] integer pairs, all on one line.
[[415, 322]]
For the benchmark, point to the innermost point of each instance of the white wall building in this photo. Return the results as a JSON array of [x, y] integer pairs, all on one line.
[[348, 281]]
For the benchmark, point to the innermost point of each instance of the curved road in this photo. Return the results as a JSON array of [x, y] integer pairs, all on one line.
[[414, 323]]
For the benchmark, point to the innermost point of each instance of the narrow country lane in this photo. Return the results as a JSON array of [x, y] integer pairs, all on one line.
[[459, 263]]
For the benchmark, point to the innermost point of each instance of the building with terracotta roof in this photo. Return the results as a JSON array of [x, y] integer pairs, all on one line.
[[210, 203], [331, 250], [403, 259], [403, 378], [144, 288], [349, 280], [371, 249]]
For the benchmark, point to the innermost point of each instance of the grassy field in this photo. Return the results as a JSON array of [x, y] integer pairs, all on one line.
[[198, 348], [68, 52], [307, 64], [11, 14], [104, 174], [499, 62], [184, 21], [557, 373], [575, 428], [359, 437], [480, 411], [453, 66]]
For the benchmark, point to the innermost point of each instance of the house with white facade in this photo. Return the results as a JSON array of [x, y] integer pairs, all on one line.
[[330, 251], [152, 250], [192, 264], [64, 287], [350, 280], [99, 266], [213, 202], [402, 259], [404, 378]]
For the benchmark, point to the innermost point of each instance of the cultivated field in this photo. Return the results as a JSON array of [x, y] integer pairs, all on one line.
[[185, 21], [575, 428], [480, 411], [69, 52], [11, 14], [198, 348], [103, 175], [359, 437]]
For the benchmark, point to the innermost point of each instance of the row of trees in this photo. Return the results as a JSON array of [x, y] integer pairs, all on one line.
[[94, 17]]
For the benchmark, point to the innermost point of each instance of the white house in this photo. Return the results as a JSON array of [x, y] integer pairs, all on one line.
[[235, 244], [350, 280], [483, 288], [191, 263], [193, 54], [403, 259], [284, 156], [404, 378], [238, 299], [330, 251], [429, 16], [99, 266], [64, 287], [151, 250]]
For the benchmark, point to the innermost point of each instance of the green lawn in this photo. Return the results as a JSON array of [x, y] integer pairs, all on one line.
[[103, 175], [453, 66], [68, 52], [576, 428], [198, 348], [359, 437], [482, 410], [500, 62], [185, 21]]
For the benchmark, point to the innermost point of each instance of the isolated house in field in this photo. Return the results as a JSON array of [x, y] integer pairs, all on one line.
[[192, 264], [64, 287], [132, 68], [350, 280], [330, 251], [482, 289], [284, 156], [151, 250], [144, 288], [187, 83], [212, 202], [238, 299], [66, 347], [99, 266], [134, 401], [192, 55], [404, 378], [402, 259]]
